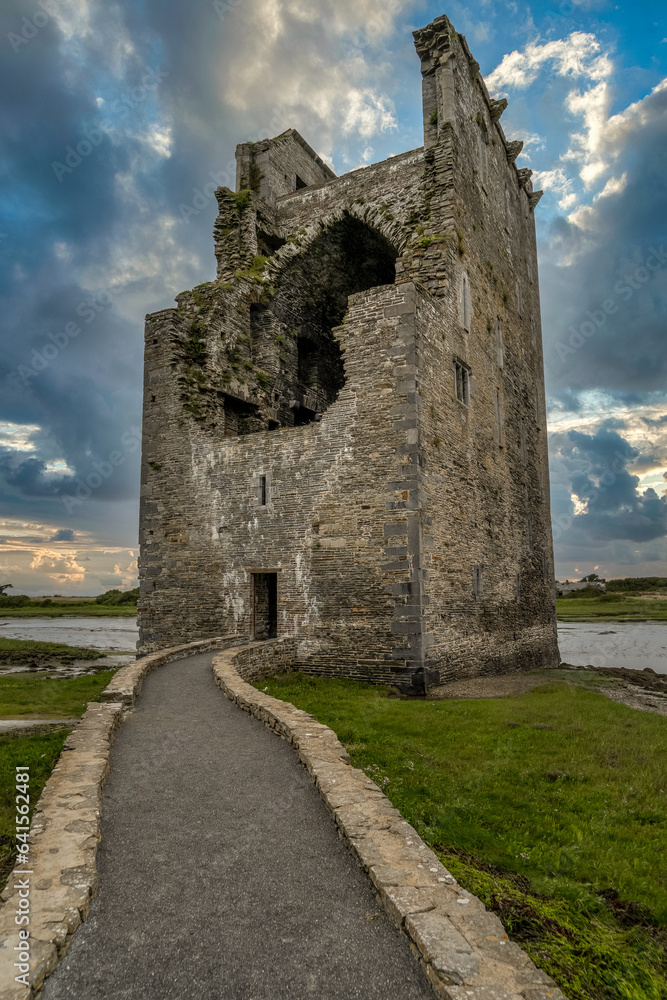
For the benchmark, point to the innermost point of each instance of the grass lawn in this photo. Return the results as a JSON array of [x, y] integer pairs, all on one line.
[[72, 610], [19, 651], [618, 608], [27, 695], [40, 754], [550, 806]]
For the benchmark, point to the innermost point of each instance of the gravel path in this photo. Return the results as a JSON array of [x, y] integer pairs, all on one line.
[[221, 874]]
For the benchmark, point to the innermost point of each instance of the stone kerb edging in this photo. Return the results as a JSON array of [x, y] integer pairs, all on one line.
[[462, 947], [65, 832], [126, 684], [63, 846]]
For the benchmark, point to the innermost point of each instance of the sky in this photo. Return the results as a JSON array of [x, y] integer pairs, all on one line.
[[119, 119]]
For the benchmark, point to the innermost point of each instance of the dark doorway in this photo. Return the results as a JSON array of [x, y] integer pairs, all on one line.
[[265, 606]]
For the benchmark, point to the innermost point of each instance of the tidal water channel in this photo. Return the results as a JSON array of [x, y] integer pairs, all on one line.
[[601, 644]]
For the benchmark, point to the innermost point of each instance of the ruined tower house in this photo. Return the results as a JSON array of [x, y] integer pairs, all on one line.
[[344, 433]]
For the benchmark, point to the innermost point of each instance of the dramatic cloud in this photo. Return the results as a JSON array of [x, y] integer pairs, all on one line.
[[118, 119], [577, 55]]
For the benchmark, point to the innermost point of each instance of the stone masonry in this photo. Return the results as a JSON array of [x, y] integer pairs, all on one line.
[[345, 432]]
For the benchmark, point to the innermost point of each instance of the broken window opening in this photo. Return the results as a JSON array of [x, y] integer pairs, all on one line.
[[303, 415], [300, 183], [268, 243]]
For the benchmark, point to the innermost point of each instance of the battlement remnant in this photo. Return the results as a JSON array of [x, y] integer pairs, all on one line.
[[345, 432]]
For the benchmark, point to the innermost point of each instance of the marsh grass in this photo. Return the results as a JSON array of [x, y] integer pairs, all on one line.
[[27, 696], [32, 695], [27, 650], [611, 606]]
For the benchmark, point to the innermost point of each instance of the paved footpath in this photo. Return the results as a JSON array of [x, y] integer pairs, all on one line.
[[221, 874]]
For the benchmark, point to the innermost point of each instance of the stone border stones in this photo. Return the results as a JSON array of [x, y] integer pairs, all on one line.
[[126, 684], [65, 831], [462, 947]]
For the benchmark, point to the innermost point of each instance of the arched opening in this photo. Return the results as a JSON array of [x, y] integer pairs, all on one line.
[[292, 335]]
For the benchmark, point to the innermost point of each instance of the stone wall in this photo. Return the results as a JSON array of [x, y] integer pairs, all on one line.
[[356, 404]]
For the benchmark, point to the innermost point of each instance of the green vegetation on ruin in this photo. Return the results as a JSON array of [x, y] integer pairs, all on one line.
[[255, 271], [243, 198], [550, 807], [29, 696]]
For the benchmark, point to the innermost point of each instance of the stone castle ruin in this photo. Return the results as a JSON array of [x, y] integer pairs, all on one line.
[[345, 433]]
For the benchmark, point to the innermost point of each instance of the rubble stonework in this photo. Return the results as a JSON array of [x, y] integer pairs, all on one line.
[[345, 432]]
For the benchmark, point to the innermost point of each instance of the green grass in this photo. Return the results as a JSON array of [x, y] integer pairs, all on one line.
[[40, 754], [20, 651], [83, 610], [550, 806], [610, 606], [26, 696], [29, 695]]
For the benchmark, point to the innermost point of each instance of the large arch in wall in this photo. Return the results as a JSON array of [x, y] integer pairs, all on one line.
[[344, 255]]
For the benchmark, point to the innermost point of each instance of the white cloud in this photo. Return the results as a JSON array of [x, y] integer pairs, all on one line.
[[592, 106], [368, 114], [577, 55], [613, 186], [329, 87], [18, 437]]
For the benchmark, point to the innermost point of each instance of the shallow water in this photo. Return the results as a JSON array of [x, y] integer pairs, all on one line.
[[604, 644], [614, 644], [114, 634]]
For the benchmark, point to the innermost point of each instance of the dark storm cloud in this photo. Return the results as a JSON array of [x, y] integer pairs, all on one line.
[[595, 468], [118, 115], [604, 314], [63, 535]]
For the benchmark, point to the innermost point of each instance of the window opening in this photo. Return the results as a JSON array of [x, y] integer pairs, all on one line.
[[466, 302], [499, 417], [523, 448], [262, 491], [483, 156], [477, 581], [300, 183], [462, 382]]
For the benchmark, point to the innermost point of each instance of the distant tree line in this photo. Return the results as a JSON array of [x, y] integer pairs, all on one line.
[[626, 585], [111, 597], [119, 597]]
